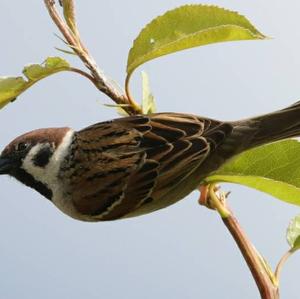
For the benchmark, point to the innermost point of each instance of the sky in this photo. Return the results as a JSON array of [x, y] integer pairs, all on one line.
[[183, 251]]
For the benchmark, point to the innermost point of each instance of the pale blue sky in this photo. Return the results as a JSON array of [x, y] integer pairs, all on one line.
[[180, 252]]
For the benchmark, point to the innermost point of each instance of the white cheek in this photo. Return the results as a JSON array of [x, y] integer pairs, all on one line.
[[48, 174]]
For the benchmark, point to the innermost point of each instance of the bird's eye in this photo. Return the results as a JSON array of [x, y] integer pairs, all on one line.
[[21, 146]]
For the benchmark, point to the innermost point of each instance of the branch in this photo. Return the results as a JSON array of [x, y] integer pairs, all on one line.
[[71, 34], [262, 274], [266, 287]]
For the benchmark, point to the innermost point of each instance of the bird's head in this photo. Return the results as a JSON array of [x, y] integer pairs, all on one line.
[[34, 158]]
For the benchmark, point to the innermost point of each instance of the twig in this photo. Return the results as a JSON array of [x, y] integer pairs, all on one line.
[[101, 81], [262, 275], [266, 288]]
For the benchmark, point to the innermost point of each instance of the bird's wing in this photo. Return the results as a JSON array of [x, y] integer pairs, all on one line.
[[125, 161]]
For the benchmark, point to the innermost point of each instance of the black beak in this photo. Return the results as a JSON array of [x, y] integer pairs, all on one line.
[[5, 165]]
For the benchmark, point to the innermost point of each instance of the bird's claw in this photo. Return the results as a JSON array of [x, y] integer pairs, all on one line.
[[205, 199]]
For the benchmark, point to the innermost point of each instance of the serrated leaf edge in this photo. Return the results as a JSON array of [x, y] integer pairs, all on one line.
[[156, 19]]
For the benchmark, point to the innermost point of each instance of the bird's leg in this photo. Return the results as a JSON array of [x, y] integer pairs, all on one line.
[[205, 197]]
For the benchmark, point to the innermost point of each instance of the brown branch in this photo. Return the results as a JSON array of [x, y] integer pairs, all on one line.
[[101, 81], [264, 278], [265, 285]]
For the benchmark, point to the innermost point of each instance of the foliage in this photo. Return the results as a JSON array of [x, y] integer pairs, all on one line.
[[12, 87], [187, 27], [293, 234], [273, 168]]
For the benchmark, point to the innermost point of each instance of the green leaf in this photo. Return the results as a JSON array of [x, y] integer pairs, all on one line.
[[272, 168], [293, 233], [11, 87], [187, 27], [148, 102]]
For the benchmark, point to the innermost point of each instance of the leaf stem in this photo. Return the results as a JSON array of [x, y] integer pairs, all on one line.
[[101, 81], [281, 264], [131, 101], [83, 73]]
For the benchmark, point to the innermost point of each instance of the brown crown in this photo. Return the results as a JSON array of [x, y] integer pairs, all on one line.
[[51, 135]]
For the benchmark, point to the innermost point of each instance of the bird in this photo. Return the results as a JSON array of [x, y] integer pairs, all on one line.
[[136, 164]]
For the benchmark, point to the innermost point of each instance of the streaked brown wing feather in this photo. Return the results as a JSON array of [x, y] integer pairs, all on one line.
[[138, 191], [131, 162], [105, 155]]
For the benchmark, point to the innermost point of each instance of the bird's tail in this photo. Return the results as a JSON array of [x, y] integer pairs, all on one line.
[[272, 127]]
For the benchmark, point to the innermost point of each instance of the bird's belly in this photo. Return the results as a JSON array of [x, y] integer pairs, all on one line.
[[174, 194], [180, 190], [65, 204]]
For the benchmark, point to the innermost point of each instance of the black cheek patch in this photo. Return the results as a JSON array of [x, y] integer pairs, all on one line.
[[42, 158]]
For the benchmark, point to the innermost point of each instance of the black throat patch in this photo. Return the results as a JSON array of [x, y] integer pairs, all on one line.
[[27, 179]]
